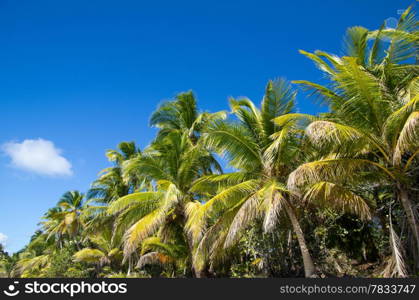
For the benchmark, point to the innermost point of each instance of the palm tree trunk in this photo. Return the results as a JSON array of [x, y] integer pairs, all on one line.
[[195, 272], [410, 213], [129, 266], [198, 273], [98, 269], [309, 268]]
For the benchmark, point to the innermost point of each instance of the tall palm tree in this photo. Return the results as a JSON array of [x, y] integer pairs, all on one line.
[[173, 162], [110, 186], [371, 133], [263, 155]]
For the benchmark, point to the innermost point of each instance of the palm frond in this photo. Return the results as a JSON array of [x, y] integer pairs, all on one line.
[[333, 170], [32, 263], [247, 210], [150, 223], [293, 117], [222, 201], [356, 43], [396, 266], [154, 258], [89, 255], [211, 183], [409, 137], [326, 95], [274, 197], [319, 62], [142, 229], [397, 119], [278, 100], [147, 200], [329, 194], [330, 134], [235, 143]]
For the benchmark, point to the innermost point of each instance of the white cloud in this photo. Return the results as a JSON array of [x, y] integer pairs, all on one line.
[[3, 238], [38, 156]]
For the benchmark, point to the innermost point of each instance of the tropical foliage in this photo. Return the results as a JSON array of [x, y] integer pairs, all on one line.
[[261, 190]]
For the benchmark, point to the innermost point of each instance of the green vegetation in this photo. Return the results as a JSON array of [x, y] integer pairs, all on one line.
[[334, 194]]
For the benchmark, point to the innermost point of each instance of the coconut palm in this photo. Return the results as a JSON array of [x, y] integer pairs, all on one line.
[[371, 133], [182, 115], [173, 162], [263, 154], [110, 185], [66, 218]]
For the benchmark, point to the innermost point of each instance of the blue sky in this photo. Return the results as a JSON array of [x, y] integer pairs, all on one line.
[[78, 77]]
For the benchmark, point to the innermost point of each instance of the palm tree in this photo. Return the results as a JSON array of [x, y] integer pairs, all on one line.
[[371, 133], [182, 115], [66, 218], [168, 167], [172, 163], [111, 185], [178, 115], [263, 154]]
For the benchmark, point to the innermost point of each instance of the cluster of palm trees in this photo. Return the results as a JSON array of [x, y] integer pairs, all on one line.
[[171, 208]]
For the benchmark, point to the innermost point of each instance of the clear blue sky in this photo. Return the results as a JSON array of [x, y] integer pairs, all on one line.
[[86, 75]]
